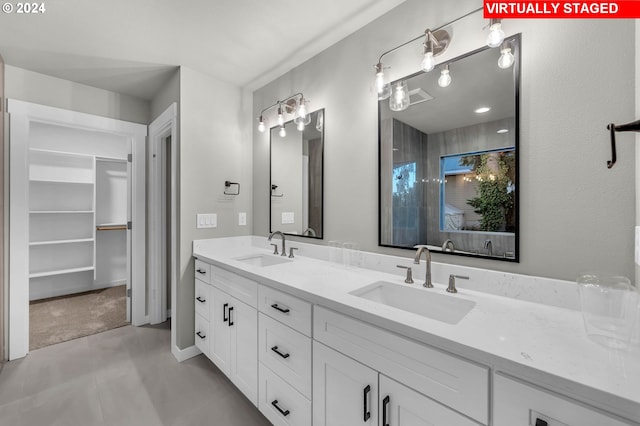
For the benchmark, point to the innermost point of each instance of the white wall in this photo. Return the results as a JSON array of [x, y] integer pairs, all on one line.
[[575, 214], [215, 146], [42, 89]]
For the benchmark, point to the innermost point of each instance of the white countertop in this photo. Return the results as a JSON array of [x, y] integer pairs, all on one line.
[[543, 344]]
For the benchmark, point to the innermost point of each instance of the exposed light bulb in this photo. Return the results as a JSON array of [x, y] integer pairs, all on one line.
[[300, 125], [381, 83], [496, 35], [261, 126], [445, 78], [428, 62], [282, 132], [506, 58], [399, 100], [280, 116]]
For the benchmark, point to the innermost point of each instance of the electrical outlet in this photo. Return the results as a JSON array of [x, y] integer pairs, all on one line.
[[242, 219]]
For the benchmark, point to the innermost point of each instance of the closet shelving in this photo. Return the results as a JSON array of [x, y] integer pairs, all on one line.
[[61, 213]]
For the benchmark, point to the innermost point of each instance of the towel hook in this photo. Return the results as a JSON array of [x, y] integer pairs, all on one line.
[[629, 127], [227, 184]]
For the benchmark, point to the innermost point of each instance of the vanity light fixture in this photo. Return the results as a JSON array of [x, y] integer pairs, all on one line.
[[445, 78], [506, 56], [496, 34], [435, 43], [381, 83], [294, 104]]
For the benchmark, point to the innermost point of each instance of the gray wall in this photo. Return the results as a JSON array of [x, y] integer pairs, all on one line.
[[43, 89], [576, 214], [215, 146]]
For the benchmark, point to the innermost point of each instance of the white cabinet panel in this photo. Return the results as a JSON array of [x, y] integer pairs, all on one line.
[[519, 404], [203, 271], [220, 343], [202, 334], [345, 392], [286, 352], [289, 310], [282, 404], [401, 406], [239, 287], [202, 299]]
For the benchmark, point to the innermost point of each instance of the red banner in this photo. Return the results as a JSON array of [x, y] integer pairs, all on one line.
[[561, 9]]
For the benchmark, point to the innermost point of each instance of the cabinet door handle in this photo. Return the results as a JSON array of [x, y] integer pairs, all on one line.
[[224, 312], [200, 299], [367, 413], [230, 320], [201, 271], [275, 349], [540, 422], [283, 412], [385, 404], [200, 335], [278, 308]]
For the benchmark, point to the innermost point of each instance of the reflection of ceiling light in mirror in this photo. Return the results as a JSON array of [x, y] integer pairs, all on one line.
[[500, 131], [482, 110], [399, 100], [445, 78], [300, 126], [320, 121], [282, 132], [506, 58], [395, 149]]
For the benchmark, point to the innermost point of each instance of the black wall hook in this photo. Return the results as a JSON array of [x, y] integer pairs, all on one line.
[[629, 127], [227, 184]]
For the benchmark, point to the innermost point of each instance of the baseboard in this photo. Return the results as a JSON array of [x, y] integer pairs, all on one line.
[[186, 353], [47, 294]]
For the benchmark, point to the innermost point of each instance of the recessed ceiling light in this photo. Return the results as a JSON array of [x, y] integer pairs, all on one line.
[[482, 110], [503, 131]]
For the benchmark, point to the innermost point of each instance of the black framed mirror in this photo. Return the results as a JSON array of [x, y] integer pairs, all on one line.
[[448, 162], [297, 178]]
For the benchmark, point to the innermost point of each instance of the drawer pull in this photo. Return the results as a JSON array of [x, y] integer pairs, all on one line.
[[200, 335], [278, 308], [230, 320], [275, 349], [367, 413], [283, 412], [385, 404], [540, 422], [201, 271], [200, 299], [224, 312]]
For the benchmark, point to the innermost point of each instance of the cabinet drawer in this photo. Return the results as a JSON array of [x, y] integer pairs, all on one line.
[[203, 271], [202, 299], [286, 352], [239, 287], [280, 403], [202, 334], [457, 383], [294, 312], [517, 403]]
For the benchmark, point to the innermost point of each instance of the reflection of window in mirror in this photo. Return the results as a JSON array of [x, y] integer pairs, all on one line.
[[478, 191]]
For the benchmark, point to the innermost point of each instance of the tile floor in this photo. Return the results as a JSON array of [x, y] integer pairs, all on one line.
[[125, 376]]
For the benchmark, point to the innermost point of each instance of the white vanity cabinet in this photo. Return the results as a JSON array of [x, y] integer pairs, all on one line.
[[232, 321], [518, 403], [284, 351]]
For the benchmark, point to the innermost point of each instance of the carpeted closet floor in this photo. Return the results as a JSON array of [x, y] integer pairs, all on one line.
[[64, 318]]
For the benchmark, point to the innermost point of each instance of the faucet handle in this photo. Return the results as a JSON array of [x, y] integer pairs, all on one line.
[[452, 282], [275, 248], [409, 278], [291, 249]]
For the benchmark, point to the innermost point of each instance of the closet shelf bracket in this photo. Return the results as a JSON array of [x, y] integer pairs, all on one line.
[[629, 127]]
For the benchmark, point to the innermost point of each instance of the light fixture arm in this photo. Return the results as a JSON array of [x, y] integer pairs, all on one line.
[[283, 102]]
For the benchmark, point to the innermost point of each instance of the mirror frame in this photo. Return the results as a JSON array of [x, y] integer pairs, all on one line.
[[322, 221], [517, 39]]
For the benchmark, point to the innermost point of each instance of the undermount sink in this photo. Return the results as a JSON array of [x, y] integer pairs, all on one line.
[[263, 260], [425, 302]]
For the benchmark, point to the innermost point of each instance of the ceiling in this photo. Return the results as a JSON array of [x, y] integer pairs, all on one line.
[[133, 47]]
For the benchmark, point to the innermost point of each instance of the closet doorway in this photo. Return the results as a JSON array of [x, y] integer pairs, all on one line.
[[77, 221]]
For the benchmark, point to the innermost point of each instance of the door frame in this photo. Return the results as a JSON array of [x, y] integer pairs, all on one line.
[[161, 128], [21, 114]]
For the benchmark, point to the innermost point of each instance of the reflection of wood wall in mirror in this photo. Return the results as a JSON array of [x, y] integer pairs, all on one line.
[[315, 186], [2, 111]]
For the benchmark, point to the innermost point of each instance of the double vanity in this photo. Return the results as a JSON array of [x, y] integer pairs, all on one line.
[[311, 342]]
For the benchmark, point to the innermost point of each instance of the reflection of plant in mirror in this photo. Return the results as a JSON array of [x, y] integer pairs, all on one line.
[[495, 173]]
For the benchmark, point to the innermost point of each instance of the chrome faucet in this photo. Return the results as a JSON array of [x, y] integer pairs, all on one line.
[[284, 248], [448, 246], [416, 260], [309, 231], [489, 247]]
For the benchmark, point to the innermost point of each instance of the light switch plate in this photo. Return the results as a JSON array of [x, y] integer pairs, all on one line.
[[209, 220], [242, 218], [287, 217]]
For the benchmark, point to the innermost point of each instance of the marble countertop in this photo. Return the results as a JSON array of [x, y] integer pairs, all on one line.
[[545, 345]]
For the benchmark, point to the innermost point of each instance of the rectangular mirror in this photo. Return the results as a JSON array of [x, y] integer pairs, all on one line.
[[449, 161], [297, 178]]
